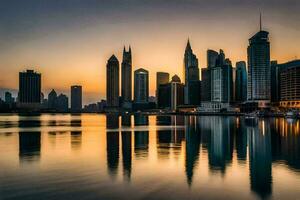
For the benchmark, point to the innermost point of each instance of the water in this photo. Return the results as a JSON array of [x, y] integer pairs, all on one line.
[[148, 157]]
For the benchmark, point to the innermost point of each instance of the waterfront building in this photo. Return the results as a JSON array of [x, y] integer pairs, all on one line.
[[221, 80], [259, 69], [52, 98], [161, 78], [205, 85], [289, 84], [190, 73], [112, 82], [141, 86], [62, 103], [126, 79], [8, 98], [76, 98], [171, 95], [29, 89], [275, 96], [240, 82]]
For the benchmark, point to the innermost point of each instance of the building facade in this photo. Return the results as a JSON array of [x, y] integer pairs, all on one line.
[[240, 82], [259, 69], [76, 98], [126, 78], [141, 86], [112, 82], [171, 95], [289, 84], [221, 80], [29, 88], [161, 78], [190, 72]]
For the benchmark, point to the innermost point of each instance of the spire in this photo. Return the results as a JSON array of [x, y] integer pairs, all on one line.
[[129, 49], [260, 25], [124, 49], [188, 45]]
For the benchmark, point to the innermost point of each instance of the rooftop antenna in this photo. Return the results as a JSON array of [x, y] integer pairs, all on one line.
[[260, 26]]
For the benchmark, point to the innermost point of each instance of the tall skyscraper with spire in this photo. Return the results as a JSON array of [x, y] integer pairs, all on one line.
[[112, 82], [259, 68], [190, 75], [126, 78]]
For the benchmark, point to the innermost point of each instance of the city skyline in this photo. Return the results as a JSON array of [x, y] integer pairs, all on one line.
[[154, 51]]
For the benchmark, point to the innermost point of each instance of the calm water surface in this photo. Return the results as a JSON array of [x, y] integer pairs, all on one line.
[[148, 157]]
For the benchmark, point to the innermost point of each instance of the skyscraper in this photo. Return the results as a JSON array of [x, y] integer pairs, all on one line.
[[221, 80], [205, 85], [190, 72], [177, 92], [29, 88], [289, 84], [8, 98], [161, 78], [62, 103], [52, 99], [126, 78], [76, 98], [259, 72], [112, 82], [141, 86], [241, 82], [171, 95]]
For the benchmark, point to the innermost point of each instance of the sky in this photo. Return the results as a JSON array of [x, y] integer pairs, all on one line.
[[70, 41]]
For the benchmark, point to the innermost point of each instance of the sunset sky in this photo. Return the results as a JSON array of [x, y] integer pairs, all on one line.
[[69, 41]]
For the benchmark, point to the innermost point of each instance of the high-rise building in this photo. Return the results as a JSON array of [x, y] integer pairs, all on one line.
[[171, 94], [259, 69], [126, 78], [8, 98], [141, 86], [205, 85], [190, 72], [289, 84], [161, 78], [76, 98], [112, 82], [212, 57], [177, 92], [241, 82], [221, 80], [62, 103], [275, 96], [52, 97], [29, 89]]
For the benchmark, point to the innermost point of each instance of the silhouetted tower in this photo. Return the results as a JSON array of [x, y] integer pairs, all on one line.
[[112, 82], [126, 78]]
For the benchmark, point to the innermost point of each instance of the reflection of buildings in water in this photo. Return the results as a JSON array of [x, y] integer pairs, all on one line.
[[76, 135], [163, 143], [76, 140], [29, 146], [126, 120], [193, 138], [260, 158], [112, 152], [221, 142], [140, 119], [30, 122], [241, 139], [286, 142], [163, 120], [141, 144], [126, 153], [170, 139], [112, 120]]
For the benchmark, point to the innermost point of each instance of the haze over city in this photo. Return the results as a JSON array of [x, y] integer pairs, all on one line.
[[69, 42]]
